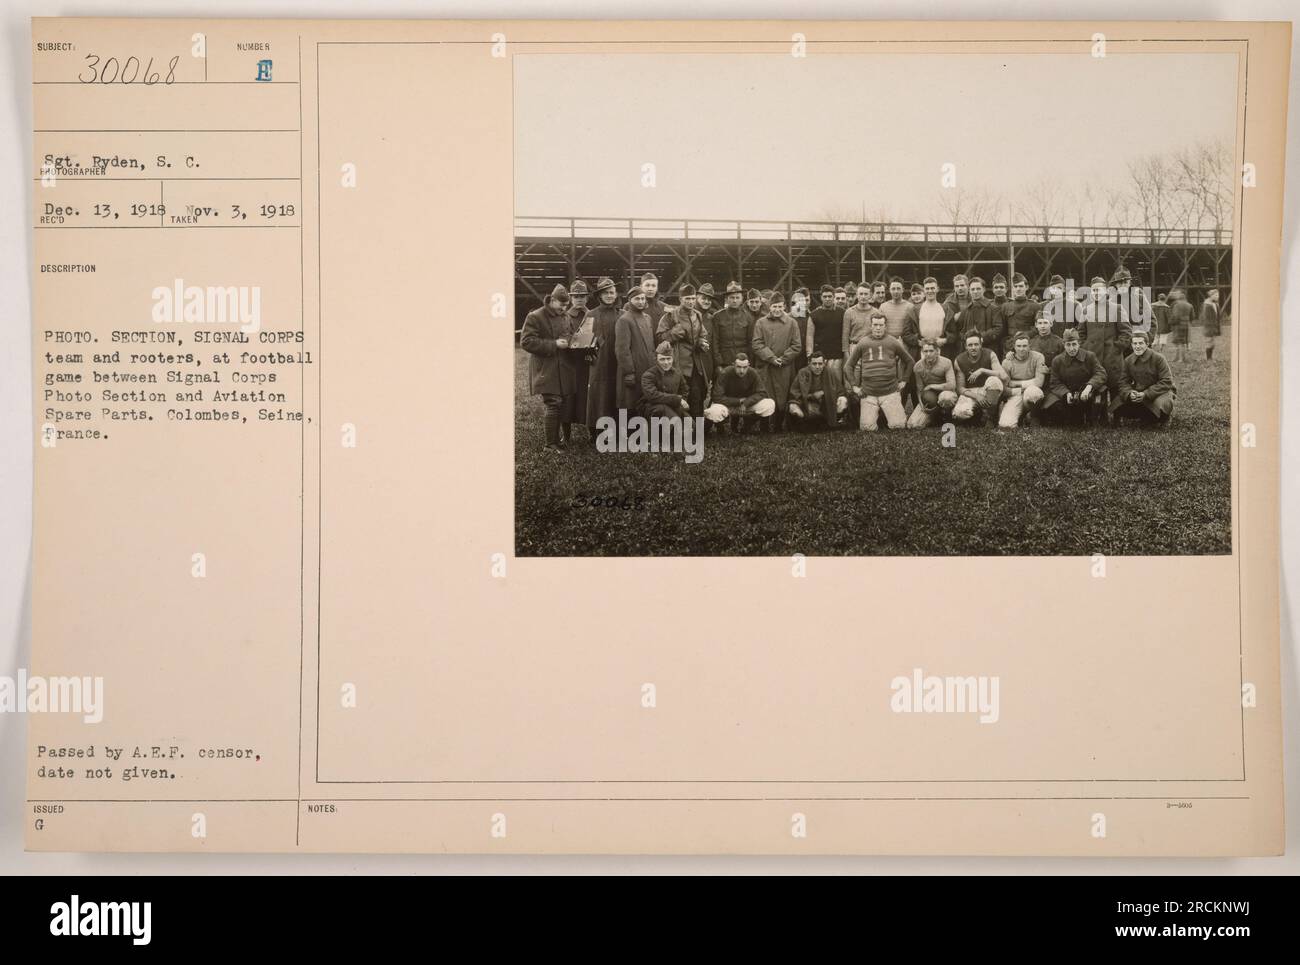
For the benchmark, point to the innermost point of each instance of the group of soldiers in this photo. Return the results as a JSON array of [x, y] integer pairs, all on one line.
[[862, 356]]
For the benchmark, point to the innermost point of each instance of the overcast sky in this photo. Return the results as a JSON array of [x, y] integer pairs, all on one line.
[[772, 136]]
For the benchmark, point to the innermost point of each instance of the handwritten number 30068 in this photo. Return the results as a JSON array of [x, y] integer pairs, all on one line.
[[129, 71]]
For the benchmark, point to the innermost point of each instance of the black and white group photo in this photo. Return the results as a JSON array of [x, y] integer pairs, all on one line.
[[999, 327]]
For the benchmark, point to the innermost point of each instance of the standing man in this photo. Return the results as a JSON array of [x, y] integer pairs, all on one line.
[[898, 313], [826, 332], [843, 299], [930, 317], [1146, 389], [999, 285], [936, 386], [578, 296], [1105, 332], [634, 349], [776, 344], [545, 337], [705, 300], [602, 390], [1026, 375], [799, 311], [817, 397], [1057, 306], [900, 322], [732, 328], [754, 302], [1134, 302], [1180, 323], [878, 293], [1161, 309], [683, 329], [1020, 310], [981, 380], [1044, 342], [1210, 322], [857, 326], [1074, 388], [885, 372], [981, 316], [857, 320], [956, 303], [917, 294], [654, 306], [799, 303], [580, 359]]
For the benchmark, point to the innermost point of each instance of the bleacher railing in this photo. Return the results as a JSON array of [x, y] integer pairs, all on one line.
[[678, 229]]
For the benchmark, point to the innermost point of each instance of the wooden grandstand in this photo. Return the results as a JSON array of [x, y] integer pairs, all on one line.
[[789, 254]]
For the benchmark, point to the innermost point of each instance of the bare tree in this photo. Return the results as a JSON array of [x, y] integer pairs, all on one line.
[[964, 207], [1041, 204], [1188, 188], [863, 224], [1160, 193], [1152, 188], [1205, 176], [879, 221], [1120, 207]]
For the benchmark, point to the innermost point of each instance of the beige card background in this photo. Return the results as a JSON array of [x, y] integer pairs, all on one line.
[[480, 696]]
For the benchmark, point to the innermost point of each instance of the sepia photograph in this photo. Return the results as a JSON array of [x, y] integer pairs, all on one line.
[[795, 303], [933, 321]]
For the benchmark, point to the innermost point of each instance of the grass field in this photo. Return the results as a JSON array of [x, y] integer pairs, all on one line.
[[1034, 491]]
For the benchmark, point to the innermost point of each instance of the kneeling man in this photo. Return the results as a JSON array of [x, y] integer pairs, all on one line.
[[739, 394], [1076, 385], [817, 396], [664, 390], [1026, 376], [936, 387], [981, 380], [1146, 386]]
